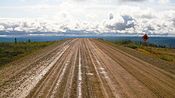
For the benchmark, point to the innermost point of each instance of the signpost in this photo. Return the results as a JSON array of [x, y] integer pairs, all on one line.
[[145, 37]]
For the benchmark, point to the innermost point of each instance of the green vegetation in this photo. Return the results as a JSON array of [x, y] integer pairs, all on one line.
[[167, 57], [12, 51], [157, 51]]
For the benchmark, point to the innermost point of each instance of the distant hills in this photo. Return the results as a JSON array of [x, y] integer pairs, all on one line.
[[74, 33]]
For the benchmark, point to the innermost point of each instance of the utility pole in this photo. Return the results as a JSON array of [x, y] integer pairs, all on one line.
[[15, 40]]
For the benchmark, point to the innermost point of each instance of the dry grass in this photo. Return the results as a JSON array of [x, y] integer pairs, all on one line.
[[160, 52]]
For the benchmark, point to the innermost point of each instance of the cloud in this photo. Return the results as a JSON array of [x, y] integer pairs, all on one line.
[[148, 21], [173, 22], [111, 16], [1, 28], [92, 15], [164, 1], [133, 0], [128, 22]]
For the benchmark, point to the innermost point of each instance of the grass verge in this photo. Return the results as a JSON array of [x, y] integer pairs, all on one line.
[[12, 51], [161, 52]]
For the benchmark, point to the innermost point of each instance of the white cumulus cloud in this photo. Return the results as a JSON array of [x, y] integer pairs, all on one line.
[[120, 16]]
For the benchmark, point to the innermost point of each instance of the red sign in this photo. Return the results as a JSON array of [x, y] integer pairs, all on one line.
[[145, 37]]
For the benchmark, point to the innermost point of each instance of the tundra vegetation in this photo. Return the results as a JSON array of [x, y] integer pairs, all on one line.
[[159, 51], [14, 50]]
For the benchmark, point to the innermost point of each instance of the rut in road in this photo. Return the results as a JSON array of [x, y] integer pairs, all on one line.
[[88, 68]]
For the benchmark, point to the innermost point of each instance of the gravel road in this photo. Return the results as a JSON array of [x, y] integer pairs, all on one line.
[[87, 68]]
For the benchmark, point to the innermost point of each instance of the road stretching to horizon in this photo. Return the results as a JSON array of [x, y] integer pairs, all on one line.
[[87, 68]]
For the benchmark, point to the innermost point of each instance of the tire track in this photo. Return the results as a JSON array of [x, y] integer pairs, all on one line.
[[25, 80], [142, 71], [52, 80], [88, 68]]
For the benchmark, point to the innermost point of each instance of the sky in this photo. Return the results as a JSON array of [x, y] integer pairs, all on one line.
[[99, 16]]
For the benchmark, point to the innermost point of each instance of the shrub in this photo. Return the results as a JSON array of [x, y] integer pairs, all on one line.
[[166, 57], [133, 46]]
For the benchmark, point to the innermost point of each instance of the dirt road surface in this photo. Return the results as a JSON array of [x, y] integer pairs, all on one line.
[[88, 68]]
